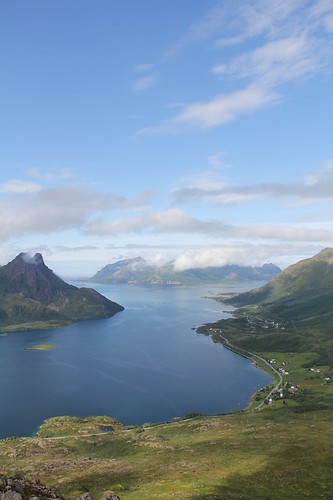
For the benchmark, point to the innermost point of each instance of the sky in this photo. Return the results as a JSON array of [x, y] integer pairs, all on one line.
[[197, 131]]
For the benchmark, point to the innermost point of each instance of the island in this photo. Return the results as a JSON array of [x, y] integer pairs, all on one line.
[[40, 347]]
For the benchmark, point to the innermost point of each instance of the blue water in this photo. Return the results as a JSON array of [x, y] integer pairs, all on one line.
[[145, 364]]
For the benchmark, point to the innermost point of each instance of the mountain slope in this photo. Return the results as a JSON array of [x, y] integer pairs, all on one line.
[[138, 271], [292, 313], [303, 291], [31, 295]]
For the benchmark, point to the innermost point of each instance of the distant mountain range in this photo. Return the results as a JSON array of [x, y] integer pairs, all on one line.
[[137, 271], [32, 296]]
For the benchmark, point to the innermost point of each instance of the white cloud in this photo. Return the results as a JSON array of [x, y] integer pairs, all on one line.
[[289, 45], [217, 160], [212, 257], [276, 62], [19, 186], [175, 221], [245, 254], [50, 175], [222, 109], [144, 83], [142, 68], [225, 108], [200, 30], [60, 209], [314, 187]]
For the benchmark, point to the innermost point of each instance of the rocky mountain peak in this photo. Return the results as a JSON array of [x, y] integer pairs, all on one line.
[[29, 276], [33, 260]]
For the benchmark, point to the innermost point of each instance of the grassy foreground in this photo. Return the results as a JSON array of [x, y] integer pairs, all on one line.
[[283, 450]]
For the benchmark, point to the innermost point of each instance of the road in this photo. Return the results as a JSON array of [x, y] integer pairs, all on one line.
[[250, 355]]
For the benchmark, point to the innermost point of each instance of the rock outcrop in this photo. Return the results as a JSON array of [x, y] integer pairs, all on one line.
[[21, 488]]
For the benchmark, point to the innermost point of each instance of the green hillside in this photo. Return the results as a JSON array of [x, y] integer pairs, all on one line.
[[307, 283], [293, 312]]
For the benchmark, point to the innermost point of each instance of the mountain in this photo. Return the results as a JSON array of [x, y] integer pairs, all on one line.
[[32, 296], [304, 291], [293, 313], [138, 271]]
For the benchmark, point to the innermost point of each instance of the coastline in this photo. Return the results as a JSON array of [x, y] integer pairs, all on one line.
[[241, 407]]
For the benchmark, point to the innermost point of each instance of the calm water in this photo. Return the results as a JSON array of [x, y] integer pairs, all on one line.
[[145, 364]]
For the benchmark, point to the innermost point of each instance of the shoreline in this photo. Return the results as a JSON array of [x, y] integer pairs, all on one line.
[[175, 420], [247, 407]]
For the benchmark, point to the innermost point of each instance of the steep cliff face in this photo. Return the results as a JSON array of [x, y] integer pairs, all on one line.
[[31, 293]]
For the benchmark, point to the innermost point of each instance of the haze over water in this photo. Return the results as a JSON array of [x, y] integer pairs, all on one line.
[[146, 364]]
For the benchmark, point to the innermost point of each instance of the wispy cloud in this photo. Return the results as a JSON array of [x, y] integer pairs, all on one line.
[[199, 30], [146, 79], [143, 83], [142, 68], [290, 42], [218, 160], [176, 221], [316, 186], [222, 109], [50, 175], [19, 186], [275, 62]]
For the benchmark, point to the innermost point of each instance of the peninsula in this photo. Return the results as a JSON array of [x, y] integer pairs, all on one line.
[[33, 296]]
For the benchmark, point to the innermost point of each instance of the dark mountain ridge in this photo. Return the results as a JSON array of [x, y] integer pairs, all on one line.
[[33, 296], [32, 278]]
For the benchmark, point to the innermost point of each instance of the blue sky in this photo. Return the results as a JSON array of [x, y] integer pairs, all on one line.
[[194, 130]]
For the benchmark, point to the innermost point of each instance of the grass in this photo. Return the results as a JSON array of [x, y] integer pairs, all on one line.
[[255, 455]]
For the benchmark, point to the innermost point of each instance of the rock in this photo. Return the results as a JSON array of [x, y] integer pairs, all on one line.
[[10, 495], [110, 495], [19, 488]]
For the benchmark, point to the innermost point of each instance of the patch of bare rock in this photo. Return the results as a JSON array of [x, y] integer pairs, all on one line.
[[22, 488]]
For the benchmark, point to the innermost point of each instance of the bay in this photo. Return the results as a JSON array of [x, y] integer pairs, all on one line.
[[145, 364]]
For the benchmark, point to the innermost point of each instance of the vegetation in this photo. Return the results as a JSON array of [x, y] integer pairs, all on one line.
[[138, 271], [282, 450], [32, 296]]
